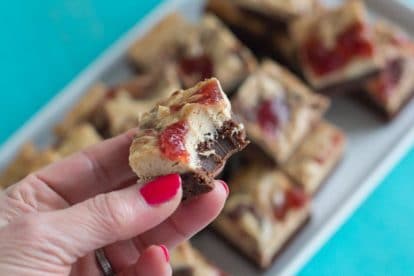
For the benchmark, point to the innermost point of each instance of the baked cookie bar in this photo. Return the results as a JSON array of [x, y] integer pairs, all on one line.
[[191, 133], [197, 51], [316, 157], [263, 212], [277, 109], [114, 109], [30, 158], [188, 261], [336, 48], [128, 100], [393, 86]]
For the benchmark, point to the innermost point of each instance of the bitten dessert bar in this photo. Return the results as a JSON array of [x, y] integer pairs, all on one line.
[[192, 133]]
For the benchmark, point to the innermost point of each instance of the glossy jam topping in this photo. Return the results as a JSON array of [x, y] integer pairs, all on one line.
[[293, 198], [171, 142], [210, 93], [272, 114], [197, 65], [387, 80], [349, 44]]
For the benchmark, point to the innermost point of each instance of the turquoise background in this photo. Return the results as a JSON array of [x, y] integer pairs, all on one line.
[[46, 43]]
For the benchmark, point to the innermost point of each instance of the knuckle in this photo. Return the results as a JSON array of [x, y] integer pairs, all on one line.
[[112, 211]]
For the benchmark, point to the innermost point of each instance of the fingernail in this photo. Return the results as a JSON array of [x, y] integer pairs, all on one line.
[[165, 251], [161, 189], [226, 187]]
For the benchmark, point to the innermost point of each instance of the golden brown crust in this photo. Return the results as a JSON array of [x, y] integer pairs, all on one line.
[[316, 157]]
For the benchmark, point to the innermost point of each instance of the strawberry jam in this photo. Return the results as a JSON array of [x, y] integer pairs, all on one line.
[[210, 93], [349, 44], [387, 80], [171, 142], [197, 65], [271, 114], [294, 198]]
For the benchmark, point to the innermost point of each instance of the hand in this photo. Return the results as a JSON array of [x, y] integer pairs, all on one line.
[[52, 221]]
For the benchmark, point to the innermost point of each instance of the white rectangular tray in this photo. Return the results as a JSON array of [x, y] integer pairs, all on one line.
[[373, 148]]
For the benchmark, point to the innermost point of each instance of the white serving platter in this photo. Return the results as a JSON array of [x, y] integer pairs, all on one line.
[[373, 147]]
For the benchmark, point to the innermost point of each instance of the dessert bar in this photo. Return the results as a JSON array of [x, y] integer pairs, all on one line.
[[393, 86], [188, 261], [277, 109], [315, 159], [336, 48], [264, 210], [197, 51], [191, 133], [30, 158]]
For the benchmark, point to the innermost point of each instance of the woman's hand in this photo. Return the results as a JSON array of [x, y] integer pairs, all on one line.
[[53, 220]]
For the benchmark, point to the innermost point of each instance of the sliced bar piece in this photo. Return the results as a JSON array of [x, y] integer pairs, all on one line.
[[315, 159], [30, 158], [191, 133], [263, 212], [393, 87], [336, 48], [197, 51], [83, 110], [130, 99], [277, 109], [188, 261], [78, 138]]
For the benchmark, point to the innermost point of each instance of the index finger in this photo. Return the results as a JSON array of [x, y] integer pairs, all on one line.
[[98, 169]]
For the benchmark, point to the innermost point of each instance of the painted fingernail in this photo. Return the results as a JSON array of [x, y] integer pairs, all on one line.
[[165, 251], [161, 189], [226, 187]]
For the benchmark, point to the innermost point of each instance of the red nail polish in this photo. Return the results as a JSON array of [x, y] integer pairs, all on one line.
[[161, 189], [166, 253], [226, 187]]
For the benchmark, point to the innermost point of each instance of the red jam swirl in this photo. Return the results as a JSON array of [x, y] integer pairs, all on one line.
[[210, 93], [387, 80], [200, 65], [294, 198], [171, 142], [350, 43], [272, 114]]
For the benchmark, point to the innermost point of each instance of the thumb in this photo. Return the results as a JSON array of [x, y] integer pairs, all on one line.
[[114, 216]]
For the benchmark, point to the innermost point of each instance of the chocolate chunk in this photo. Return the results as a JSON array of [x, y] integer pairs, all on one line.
[[214, 153], [196, 183]]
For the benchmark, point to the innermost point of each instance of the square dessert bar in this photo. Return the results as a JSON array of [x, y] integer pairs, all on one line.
[[115, 109], [336, 48], [188, 261], [393, 86], [30, 158], [191, 133], [197, 51], [277, 109], [129, 100], [263, 212], [316, 158]]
